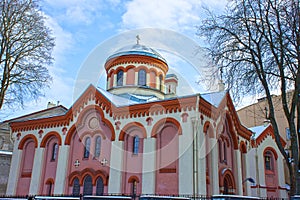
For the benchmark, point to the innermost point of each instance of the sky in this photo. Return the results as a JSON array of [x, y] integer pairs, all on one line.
[[87, 29]]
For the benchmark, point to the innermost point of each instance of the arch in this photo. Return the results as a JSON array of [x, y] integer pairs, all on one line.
[[72, 130], [50, 181], [103, 176], [226, 175], [232, 131], [138, 68], [48, 136], [27, 137], [130, 125], [159, 125], [72, 179], [133, 178], [207, 128], [110, 73], [129, 67], [243, 147], [272, 150]]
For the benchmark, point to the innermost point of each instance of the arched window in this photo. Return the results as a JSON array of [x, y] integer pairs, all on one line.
[[98, 147], [142, 79], [269, 161], [160, 82], [99, 186], [136, 141], [120, 76], [225, 152], [54, 151], [88, 185], [76, 187], [87, 147]]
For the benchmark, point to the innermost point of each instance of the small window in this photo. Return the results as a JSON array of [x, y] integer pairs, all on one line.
[[87, 185], [76, 187], [98, 147], [136, 141], [54, 151], [142, 78], [120, 76], [268, 161], [87, 147], [225, 152], [99, 187], [134, 187]]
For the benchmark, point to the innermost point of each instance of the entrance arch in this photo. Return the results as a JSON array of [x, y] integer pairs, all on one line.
[[227, 183]]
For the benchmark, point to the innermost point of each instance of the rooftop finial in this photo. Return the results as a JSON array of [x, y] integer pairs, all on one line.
[[137, 39]]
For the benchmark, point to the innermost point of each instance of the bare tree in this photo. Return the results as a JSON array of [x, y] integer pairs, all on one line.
[[256, 43], [25, 52]]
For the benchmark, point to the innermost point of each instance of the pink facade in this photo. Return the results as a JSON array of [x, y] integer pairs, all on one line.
[[26, 167]]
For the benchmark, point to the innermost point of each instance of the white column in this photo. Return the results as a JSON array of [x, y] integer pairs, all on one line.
[[281, 181], [116, 164], [14, 170], [186, 160], [201, 162], [115, 80], [237, 156], [36, 171], [214, 166], [147, 79], [124, 78], [61, 169], [108, 83], [157, 82], [136, 76], [149, 163]]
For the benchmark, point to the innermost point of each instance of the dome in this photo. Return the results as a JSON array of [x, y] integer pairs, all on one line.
[[137, 49]]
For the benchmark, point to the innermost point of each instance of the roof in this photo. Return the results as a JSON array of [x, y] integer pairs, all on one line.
[[49, 112], [137, 49], [258, 130], [214, 98]]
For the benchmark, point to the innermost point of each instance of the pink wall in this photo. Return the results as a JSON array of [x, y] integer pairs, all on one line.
[[133, 163], [26, 168], [90, 165], [167, 160], [130, 77], [152, 79], [49, 167]]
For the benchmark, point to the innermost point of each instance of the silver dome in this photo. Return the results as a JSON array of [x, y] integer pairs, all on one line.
[[137, 49]]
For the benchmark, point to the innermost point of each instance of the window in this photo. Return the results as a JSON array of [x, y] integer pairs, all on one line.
[[133, 188], [98, 147], [54, 151], [142, 78], [268, 161], [99, 187], [225, 152], [87, 185], [76, 187], [50, 189], [120, 75], [136, 141], [87, 147]]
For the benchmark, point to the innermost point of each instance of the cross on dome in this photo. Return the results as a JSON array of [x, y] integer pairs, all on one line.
[[138, 39]]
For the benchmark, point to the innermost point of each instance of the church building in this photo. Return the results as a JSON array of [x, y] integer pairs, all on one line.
[[138, 136]]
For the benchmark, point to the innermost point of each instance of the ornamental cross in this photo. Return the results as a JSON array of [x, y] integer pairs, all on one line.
[[76, 163], [137, 39], [104, 162]]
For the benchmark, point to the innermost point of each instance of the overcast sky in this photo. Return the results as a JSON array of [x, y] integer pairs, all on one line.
[[81, 26]]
